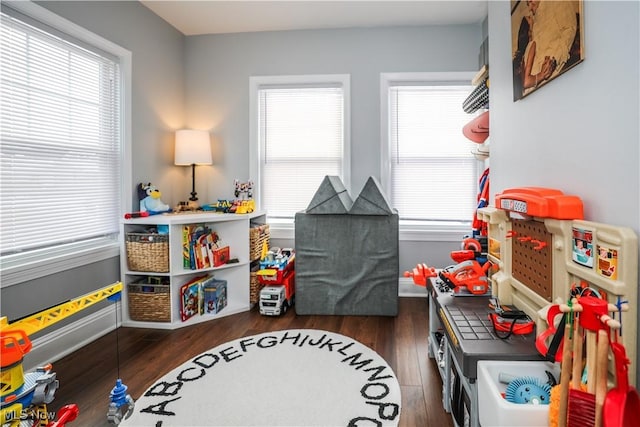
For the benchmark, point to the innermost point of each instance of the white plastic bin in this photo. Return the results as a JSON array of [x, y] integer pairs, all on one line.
[[494, 410]]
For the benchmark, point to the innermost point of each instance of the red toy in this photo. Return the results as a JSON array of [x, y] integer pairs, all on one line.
[[66, 414], [278, 275], [130, 215], [420, 274], [468, 274]]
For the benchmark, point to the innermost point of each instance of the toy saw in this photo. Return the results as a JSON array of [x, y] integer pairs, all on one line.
[[467, 274]]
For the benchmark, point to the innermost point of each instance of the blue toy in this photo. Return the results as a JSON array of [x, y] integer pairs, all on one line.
[[121, 404], [149, 197]]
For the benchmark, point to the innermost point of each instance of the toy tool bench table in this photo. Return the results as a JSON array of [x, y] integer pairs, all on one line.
[[460, 335]]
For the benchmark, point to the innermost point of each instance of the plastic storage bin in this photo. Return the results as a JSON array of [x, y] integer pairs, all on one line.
[[494, 410]]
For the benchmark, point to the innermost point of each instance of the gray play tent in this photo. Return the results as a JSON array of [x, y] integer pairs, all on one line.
[[347, 252]]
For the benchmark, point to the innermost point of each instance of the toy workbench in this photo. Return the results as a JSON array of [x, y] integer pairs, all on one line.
[[543, 248]]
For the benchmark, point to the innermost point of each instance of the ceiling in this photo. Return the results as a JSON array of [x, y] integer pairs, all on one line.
[[217, 16]]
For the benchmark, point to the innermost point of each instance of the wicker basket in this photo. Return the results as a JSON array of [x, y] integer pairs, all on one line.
[[257, 236], [254, 289], [149, 303], [148, 252]]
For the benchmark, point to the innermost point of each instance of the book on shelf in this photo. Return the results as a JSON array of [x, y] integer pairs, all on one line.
[[202, 295], [213, 296], [201, 248], [190, 298]]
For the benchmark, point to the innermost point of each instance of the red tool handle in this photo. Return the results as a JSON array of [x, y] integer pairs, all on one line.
[[130, 215]]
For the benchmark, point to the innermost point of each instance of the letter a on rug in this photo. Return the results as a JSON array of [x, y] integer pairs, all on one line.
[[296, 377]]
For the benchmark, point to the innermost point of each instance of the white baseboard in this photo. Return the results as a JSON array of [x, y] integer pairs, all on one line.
[[406, 288], [64, 341]]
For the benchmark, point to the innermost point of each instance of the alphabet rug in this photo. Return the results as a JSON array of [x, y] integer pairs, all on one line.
[[295, 377]]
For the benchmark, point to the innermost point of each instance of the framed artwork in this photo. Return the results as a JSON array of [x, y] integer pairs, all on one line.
[[546, 41]]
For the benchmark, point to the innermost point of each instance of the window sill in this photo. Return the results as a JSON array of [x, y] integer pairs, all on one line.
[[412, 231], [20, 268]]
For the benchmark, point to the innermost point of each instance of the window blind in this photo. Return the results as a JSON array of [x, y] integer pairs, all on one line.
[[301, 141], [60, 143], [433, 173]]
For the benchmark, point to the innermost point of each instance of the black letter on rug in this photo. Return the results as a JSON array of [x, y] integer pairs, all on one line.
[[395, 410], [203, 361], [164, 389], [182, 377], [159, 409], [286, 337], [365, 389], [355, 362], [246, 343], [230, 350], [330, 344], [272, 341], [319, 341], [375, 376], [341, 350], [356, 422]]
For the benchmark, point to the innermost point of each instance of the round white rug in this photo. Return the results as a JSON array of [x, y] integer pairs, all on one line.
[[300, 377]]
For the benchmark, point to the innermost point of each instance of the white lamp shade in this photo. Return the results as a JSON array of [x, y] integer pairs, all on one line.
[[193, 147]]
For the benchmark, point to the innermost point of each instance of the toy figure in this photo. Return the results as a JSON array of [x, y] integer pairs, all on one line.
[[244, 190], [149, 197]]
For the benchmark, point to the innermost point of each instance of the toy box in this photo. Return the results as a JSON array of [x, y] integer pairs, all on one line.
[[495, 410], [214, 296]]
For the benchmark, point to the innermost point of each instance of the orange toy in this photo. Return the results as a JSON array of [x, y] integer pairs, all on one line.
[[420, 274], [540, 202]]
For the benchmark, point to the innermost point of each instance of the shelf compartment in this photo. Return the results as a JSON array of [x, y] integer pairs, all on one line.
[[148, 252], [233, 231], [149, 301]]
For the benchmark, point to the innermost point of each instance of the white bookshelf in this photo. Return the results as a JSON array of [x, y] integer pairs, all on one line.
[[233, 230]]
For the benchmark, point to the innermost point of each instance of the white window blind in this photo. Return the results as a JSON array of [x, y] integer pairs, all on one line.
[[301, 133], [433, 173], [60, 138]]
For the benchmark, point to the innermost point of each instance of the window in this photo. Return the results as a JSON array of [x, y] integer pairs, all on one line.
[[61, 140], [300, 134], [428, 169]]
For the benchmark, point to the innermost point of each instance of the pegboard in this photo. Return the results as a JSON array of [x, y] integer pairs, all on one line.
[[606, 259], [531, 257]]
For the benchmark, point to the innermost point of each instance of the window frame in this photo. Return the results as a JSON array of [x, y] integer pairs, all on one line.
[[34, 264], [416, 230], [282, 228]]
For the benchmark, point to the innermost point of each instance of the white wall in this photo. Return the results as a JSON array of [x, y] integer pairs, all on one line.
[[218, 68], [580, 132], [157, 108], [157, 84]]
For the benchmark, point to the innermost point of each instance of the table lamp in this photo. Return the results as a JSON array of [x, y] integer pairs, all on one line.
[[193, 147]]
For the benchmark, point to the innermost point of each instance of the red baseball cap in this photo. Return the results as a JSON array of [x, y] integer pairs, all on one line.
[[477, 130]]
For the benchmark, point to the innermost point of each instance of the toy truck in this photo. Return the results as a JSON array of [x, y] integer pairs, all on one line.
[[278, 275], [277, 298]]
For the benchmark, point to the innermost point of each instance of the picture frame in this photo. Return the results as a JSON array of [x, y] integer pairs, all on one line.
[[547, 40]]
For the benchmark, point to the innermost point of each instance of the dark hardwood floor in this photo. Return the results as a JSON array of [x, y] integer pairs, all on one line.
[[88, 375]]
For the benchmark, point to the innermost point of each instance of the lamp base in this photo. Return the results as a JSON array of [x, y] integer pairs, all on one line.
[[194, 195], [187, 206]]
